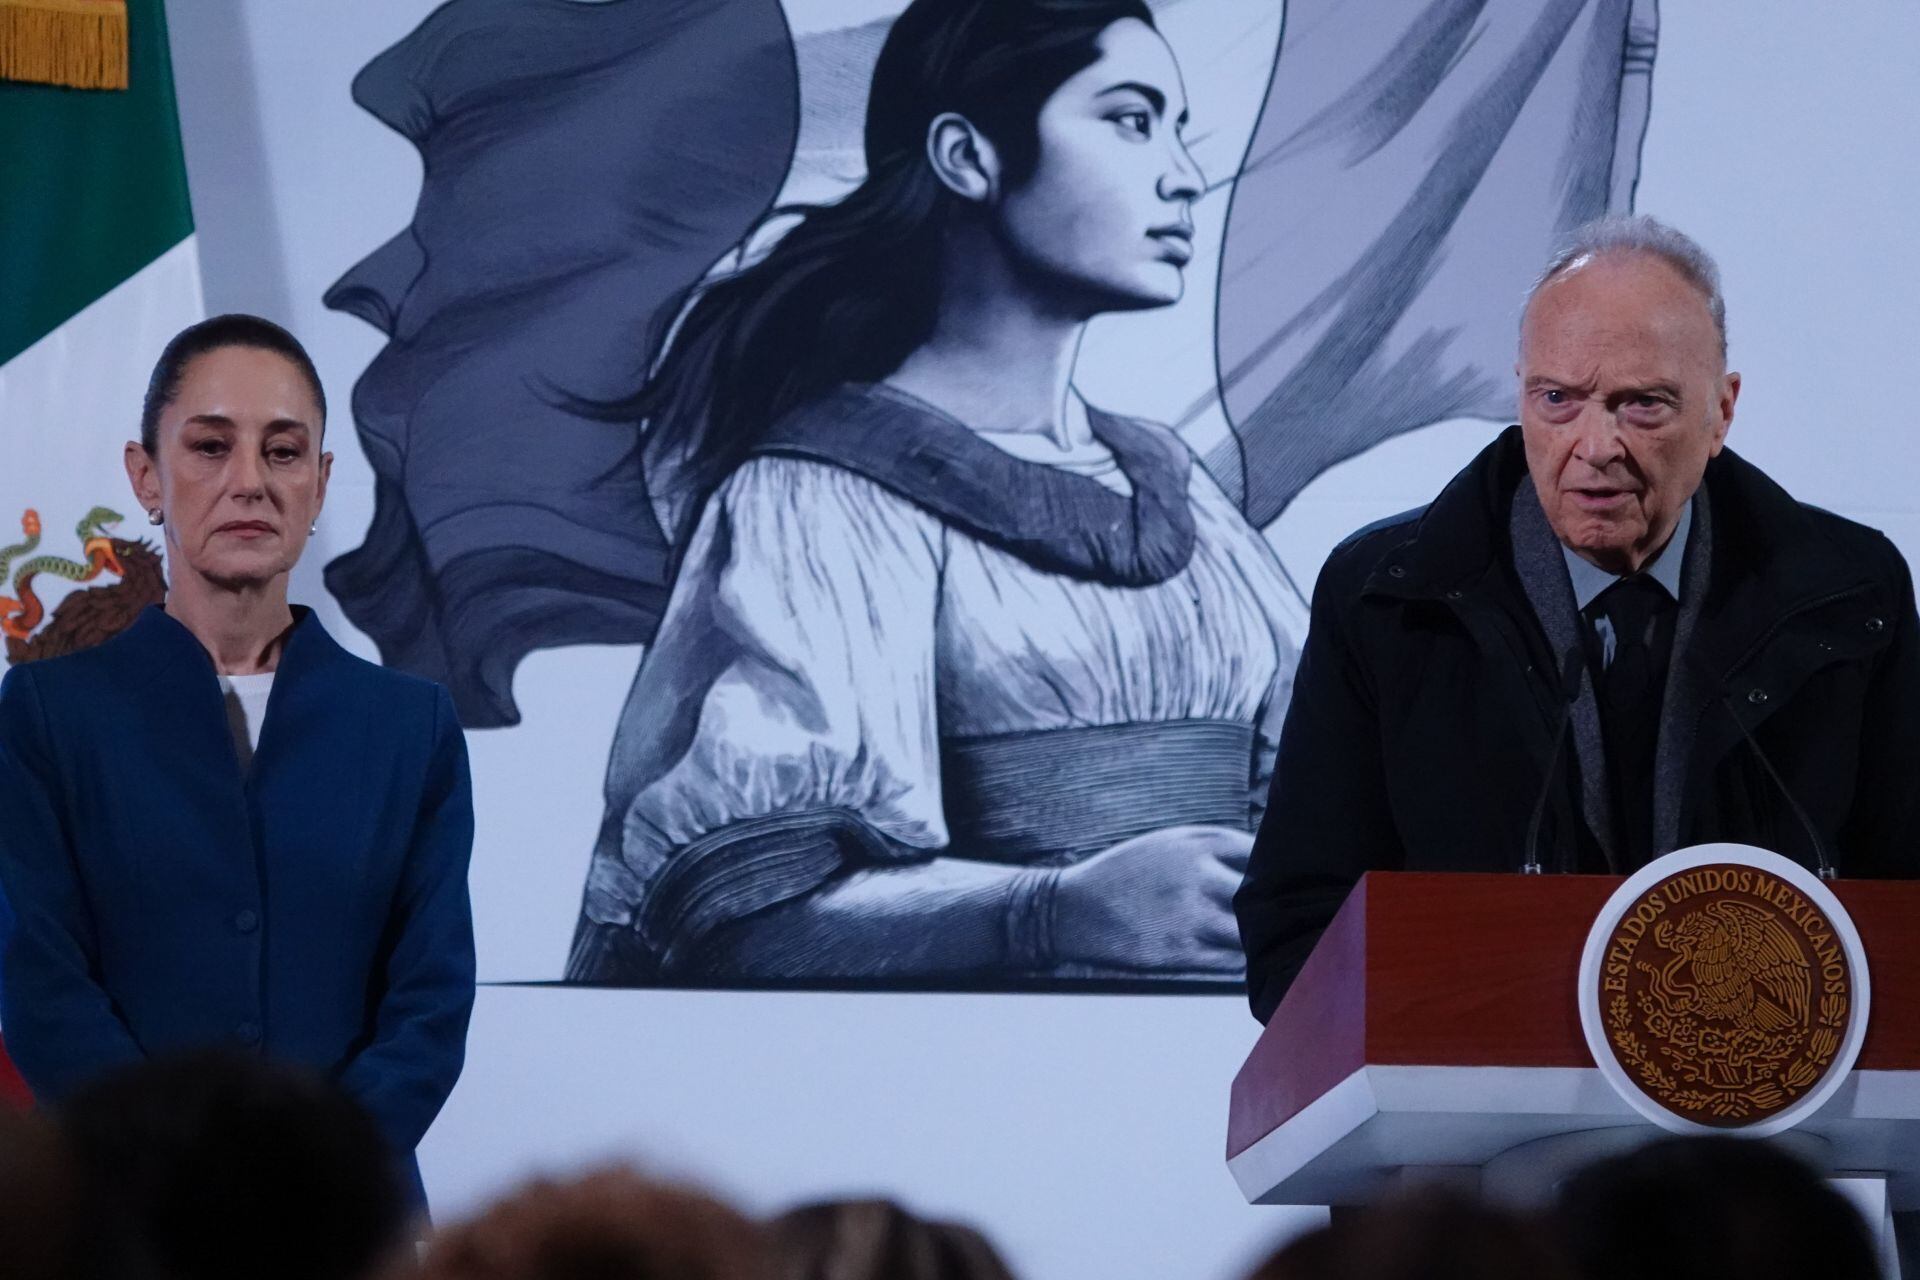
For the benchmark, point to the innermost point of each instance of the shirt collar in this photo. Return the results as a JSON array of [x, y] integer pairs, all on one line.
[[1589, 580]]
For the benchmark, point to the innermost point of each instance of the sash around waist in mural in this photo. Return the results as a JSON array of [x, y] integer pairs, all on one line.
[[1044, 799], [1053, 798]]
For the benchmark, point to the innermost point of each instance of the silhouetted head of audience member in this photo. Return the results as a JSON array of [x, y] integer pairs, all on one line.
[[1707, 1208], [611, 1224], [217, 1164], [1428, 1234], [877, 1240], [39, 1200]]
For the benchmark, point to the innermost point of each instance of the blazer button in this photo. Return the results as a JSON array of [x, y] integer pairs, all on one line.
[[1395, 571], [1756, 696], [249, 1032], [1876, 625], [246, 921]]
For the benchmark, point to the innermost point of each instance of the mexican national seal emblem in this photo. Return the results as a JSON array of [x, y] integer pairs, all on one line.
[[1724, 987]]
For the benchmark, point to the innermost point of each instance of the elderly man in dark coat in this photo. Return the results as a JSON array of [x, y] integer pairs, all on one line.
[[1608, 617]]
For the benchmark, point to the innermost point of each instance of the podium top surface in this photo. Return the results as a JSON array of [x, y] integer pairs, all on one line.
[[1467, 969]]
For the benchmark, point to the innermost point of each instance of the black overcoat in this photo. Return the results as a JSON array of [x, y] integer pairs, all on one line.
[[1426, 703]]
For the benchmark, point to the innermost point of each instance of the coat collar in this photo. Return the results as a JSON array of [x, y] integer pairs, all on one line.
[[1459, 537], [1052, 519], [159, 641], [1769, 556]]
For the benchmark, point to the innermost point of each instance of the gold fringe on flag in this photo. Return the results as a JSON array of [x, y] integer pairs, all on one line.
[[78, 43]]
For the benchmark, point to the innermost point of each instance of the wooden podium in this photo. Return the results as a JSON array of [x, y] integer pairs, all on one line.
[[1436, 1027]]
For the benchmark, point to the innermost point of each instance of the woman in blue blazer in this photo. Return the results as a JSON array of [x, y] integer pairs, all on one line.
[[219, 826]]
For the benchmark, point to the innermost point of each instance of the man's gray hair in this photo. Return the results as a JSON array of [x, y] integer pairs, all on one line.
[[1640, 233]]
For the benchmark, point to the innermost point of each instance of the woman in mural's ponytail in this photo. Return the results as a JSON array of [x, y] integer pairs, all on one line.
[[962, 678], [843, 297]]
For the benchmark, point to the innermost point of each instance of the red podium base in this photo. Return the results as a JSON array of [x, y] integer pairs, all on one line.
[[1436, 1026]]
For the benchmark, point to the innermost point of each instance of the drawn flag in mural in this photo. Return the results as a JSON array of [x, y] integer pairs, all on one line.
[[584, 166], [928, 700], [1413, 165]]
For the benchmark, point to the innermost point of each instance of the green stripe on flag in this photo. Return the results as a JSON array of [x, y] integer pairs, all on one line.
[[93, 187]]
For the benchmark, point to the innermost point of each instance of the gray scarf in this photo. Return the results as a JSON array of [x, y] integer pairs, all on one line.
[[1542, 569]]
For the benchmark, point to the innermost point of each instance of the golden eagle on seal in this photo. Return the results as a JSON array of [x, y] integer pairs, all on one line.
[[1743, 964]]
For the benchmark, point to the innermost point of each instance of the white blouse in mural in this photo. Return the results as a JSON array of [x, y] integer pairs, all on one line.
[[825, 636]]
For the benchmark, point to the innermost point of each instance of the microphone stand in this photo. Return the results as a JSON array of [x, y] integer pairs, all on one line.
[[1823, 864], [1571, 664]]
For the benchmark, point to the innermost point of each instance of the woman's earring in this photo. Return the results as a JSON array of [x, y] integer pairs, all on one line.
[[313, 528], [156, 516]]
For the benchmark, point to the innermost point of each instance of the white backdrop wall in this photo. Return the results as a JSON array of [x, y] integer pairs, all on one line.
[[1085, 1132]]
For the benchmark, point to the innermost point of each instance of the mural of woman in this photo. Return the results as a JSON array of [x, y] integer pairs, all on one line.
[[962, 680]]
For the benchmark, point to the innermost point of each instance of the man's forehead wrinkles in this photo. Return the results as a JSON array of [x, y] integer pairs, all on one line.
[[1601, 376], [1571, 379]]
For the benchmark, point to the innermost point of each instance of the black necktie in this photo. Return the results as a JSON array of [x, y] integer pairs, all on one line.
[[1641, 614]]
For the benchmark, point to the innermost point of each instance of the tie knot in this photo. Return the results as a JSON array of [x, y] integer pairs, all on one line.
[[1631, 604]]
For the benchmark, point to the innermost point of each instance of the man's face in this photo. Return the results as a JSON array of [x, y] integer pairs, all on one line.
[[1624, 398]]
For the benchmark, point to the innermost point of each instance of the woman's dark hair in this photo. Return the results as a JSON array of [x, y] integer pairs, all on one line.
[[849, 292], [41, 1230], [1426, 1234], [877, 1240], [1708, 1208], [234, 330], [609, 1224], [219, 1165]]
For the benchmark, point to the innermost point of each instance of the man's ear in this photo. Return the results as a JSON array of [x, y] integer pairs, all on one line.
[[962, 158], [1729, 392]]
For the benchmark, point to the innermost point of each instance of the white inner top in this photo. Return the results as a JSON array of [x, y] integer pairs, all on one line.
[[246, 699]]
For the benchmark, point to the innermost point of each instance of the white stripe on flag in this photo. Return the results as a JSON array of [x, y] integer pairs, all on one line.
[[71, 401]]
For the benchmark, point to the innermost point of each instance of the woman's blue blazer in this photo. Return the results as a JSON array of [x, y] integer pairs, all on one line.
[[313, 908]]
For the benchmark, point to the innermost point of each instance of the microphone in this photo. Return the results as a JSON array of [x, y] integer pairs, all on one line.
[[1571, 664], [1824, 863]]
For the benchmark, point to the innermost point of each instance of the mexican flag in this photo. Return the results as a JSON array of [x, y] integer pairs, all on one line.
[[97, 271]]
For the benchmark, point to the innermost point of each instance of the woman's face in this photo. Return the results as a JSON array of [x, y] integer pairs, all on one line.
[[238, 469], [1107, 212]]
